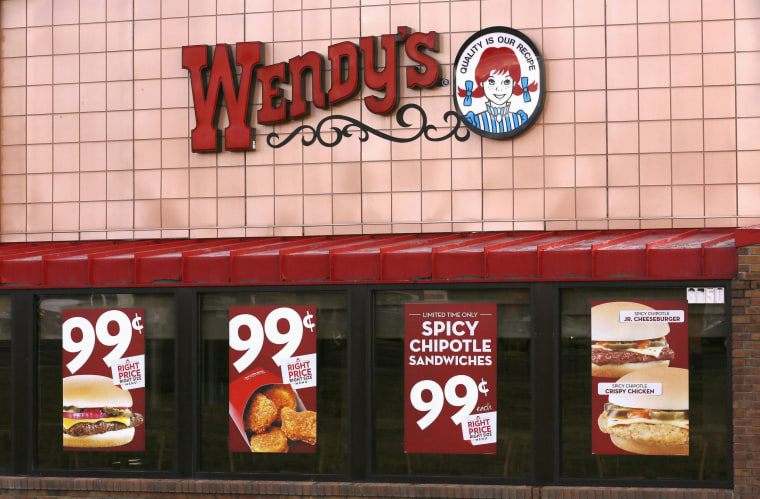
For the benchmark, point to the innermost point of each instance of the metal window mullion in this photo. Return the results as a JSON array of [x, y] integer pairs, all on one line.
[[187, 402], [23, 398], [544, 368], [360, 388]]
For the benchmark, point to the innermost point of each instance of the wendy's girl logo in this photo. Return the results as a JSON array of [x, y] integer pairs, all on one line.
[[499, 83]]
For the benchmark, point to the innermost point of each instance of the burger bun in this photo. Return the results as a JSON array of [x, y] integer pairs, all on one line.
[[675, 389], [650, 449], [89, 390], [606, 325]]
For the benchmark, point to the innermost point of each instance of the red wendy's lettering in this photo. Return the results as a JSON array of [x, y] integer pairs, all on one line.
[[238, 135], [344, 58], [385, 80], [380, 73]]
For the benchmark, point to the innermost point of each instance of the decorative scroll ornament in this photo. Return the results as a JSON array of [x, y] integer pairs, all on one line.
[[331, 135]]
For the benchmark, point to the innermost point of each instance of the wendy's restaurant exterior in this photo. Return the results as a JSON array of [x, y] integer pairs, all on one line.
[[375, 248]]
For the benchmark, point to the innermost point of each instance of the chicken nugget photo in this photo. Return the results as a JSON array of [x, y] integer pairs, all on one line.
[[282, 396], [260, 414], [272, 440], [300, 426]]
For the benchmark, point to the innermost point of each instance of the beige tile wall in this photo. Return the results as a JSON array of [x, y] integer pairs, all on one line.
[[652, 119]]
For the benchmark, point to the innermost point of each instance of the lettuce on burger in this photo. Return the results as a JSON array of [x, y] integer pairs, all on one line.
[[97, 413]]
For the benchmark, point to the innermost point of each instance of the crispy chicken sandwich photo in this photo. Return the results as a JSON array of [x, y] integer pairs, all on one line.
[[618, 348], [97, 413], [644, 423]]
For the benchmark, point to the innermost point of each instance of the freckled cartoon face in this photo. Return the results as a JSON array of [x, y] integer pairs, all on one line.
[[498, 88]]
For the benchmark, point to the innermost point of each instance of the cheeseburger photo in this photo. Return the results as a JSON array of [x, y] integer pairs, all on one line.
[[97, 413], [650, 424], [618, 348]]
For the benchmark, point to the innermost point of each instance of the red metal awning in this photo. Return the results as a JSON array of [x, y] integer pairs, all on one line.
[[484, 256]]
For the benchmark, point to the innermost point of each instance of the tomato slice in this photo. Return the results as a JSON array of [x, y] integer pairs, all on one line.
[[639, 413], [93, 413]]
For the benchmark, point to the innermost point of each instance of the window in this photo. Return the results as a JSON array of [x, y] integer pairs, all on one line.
[[159, 366], [544, 385], [513, 456], [332, 377], [709, 395]]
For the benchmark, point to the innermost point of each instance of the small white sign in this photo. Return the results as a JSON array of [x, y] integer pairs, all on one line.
[[705, 295], [300, 372], [129, 372], [480, 428], [648, 316], [629, 388]]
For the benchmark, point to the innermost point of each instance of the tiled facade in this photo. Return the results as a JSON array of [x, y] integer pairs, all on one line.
[[651, 119]]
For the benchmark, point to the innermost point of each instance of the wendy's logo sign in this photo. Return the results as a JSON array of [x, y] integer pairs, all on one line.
[[498, 83], [214, 75], [498, 88]]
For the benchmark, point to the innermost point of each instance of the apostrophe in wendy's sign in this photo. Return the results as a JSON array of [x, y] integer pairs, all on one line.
[[273, 379], [103, 379], [450, 400], [498, 83]]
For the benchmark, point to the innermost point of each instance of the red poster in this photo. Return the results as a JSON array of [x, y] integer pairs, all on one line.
[[273, 379], [450, 378], [104, 379], [640, 377]]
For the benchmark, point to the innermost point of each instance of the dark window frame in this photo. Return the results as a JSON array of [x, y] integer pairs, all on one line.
[[647, 483], [545, 392]]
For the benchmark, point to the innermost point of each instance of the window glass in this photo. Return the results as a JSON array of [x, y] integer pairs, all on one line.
[[5, 379], [513, 412], [159, 327], [708, 457], [332, 405]]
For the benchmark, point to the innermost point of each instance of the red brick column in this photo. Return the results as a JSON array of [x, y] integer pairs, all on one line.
[[745, 357]]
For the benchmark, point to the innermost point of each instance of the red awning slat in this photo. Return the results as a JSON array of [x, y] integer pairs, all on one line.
[[518, 259], [413, 260], [263, 264], [574, 257], [719, 256], [157, 265], [467, 259], [607, 267], [566, 255], [628, 257], [73, 268], [362, 261], [118, 266], [26, 266], [312, 263], [212, 265], [680, 254]]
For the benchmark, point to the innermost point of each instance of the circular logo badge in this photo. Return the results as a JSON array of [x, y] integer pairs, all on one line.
[[499, 83]]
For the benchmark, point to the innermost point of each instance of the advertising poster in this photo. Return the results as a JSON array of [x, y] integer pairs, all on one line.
[[450, 378], [273, 379], [104, 379], [640, 377]]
